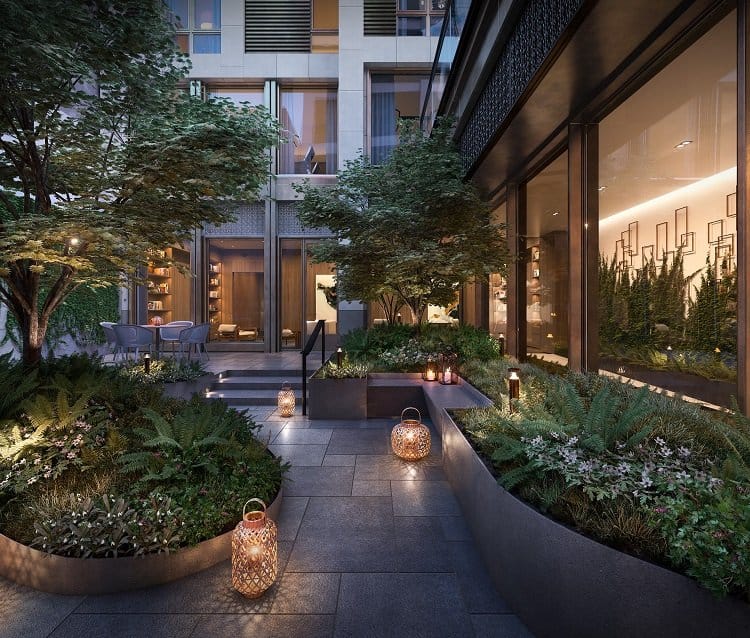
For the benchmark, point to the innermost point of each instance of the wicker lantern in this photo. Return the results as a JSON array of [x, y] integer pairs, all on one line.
[[448, 373], [254, 552], [430, 372], [286, 400], [410, 439]]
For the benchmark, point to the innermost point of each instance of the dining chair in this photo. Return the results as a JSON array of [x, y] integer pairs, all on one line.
[[133, 337], [109, 334], [170, 333], [195, 336]]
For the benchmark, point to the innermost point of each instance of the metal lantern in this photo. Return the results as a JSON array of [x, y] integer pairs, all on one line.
[[410, 439], [448, 373], [254, 552], [514, 385], [286, 400], [430, 370]]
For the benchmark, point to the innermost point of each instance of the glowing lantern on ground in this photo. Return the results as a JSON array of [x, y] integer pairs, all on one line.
[[286, 400], [410, 439], [254, 552]]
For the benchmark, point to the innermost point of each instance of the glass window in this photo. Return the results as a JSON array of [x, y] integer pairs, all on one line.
[[498, 290], [195, 18], [392, 96], [178, 10], [411, 5], [308, 117], [206, 43], [414, 16], [325, 26], [235, 294], [668, 226], [547, 260], [411, 25], [239, 95], [207, 15]]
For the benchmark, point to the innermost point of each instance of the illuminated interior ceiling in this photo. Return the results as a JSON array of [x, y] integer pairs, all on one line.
[[677, 129], [237, 244]]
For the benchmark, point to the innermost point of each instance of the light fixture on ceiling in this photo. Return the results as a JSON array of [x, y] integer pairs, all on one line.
[[555, 213], [601, 189], [683, 144]]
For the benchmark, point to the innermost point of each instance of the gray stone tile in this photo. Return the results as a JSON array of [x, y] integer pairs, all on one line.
[[127, 625], [372, 552], [265, 626], [339, 460], [300, 593], [371, 488], [332, 517], [319, 481], [455, 528], [499, 626], [424, 498], [292, 510], [344, 424], [388, 467], [364, 441], [303, 436], [477, 588], [299, 455], [401, 605], [267, 432], [292, 422], [419, 546], [28, 613]]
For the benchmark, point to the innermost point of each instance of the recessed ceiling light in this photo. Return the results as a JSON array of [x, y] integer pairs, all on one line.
[[555, 213], [683, 144], [602, 188]]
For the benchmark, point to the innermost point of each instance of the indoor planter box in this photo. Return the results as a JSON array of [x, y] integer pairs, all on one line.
[[337, 398]]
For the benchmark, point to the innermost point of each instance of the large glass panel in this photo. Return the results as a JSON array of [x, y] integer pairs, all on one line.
[[320, 295], [239, 95], [291, 298], [392, 96], [325, 26], [411, 25], [236, 289], [668, 226], [178, 10], [206, 43], [546, 261], [498, 290], [308, 117], [207, 15]]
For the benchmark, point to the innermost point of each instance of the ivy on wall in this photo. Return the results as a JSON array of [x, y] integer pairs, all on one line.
[[78, 317]]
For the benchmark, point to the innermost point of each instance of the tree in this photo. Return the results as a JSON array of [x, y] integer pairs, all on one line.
[[102, 159], [411, 228]]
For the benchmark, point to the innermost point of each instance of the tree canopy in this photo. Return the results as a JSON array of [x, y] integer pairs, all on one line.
[[410, 229], [102, 158]]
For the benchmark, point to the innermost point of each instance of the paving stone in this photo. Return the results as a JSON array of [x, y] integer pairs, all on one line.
[[292, 510], [499, 626], [265, 626], [371, 488], [364, 553], [382, 467], [126, 625], [455, 528], [300, 593], [304, 436], [424, 498], [363, 441], [344, 424], [401, 605], [319, 481], [339, 460], [28, 613], [331, 517], [419, 545], [299, 455], [478, 591], [268, 431]]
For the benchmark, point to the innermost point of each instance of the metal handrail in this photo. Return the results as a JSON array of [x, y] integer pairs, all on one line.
[[319, 329]]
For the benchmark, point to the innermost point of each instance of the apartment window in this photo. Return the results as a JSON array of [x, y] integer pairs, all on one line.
[[308, 118], [198, 25], [392, 97], [325, 26], [420, 17], [239, 95]]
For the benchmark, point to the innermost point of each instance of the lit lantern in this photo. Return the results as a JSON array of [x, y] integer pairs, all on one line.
[[514, 386], [286, 400], [448, 373], [430, 370], [410, 439], [254, 552], [147, 363]]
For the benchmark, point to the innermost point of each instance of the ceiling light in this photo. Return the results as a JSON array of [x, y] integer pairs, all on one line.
[[556, 213], [602, 188], [683, 144]]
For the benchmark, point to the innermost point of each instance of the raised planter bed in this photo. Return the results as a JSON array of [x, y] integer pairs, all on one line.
[[186, 389], [337, 398], [561, 583], [83, 576]]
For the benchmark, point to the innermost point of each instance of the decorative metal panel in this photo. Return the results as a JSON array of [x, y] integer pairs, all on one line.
[[277, 26], [289, 224], [250, 221], [380, 17], [539, 26]]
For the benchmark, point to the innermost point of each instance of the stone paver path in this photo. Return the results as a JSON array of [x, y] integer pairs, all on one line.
[[370, 546]]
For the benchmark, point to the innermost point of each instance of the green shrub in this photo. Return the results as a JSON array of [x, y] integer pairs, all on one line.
[[347, 370], [165, 370]]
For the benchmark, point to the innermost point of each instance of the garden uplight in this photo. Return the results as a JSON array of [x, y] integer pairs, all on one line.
[[514, 385], [147, 363], [410, 439], [254, 552], [286, 400]]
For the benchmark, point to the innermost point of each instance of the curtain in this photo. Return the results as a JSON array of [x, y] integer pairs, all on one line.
[[383, 124], [331, 133]]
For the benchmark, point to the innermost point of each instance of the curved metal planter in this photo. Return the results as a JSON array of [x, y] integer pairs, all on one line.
[[82, 576], [562, 584]]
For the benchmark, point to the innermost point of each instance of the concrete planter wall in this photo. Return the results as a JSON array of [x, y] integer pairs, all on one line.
[[337, 398], [82, 576], [186, 389], [562, 584]]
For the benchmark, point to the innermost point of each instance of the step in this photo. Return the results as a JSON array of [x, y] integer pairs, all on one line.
[[255, 383], [248, 397], [289, 373]]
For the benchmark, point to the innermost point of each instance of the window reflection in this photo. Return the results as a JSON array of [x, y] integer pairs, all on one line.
[[308, 117]]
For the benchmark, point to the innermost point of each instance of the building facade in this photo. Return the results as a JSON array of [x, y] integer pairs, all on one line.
[[611, 137], [337, 75]]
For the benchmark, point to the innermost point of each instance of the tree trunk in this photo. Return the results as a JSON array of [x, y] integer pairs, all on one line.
[[33, 331]]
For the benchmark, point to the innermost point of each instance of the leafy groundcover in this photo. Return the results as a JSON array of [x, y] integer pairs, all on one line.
[[95, 462], [647, 474]]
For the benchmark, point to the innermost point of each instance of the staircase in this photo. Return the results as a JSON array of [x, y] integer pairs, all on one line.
[[254, 387]]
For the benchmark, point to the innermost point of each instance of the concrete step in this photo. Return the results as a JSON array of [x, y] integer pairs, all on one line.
[[248, 397], [256, 383], [289, 373]]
